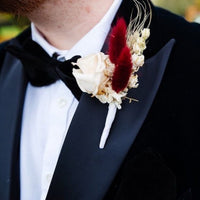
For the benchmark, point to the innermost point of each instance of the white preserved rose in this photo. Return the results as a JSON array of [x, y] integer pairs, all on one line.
[[90, 74]]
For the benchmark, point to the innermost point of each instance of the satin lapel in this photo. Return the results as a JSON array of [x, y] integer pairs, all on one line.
[[12, 90], [84, 171]]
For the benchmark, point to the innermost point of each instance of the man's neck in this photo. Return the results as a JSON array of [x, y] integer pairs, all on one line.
[[65, 22]]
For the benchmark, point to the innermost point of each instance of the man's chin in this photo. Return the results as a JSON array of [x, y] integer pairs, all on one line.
[[19, 7]]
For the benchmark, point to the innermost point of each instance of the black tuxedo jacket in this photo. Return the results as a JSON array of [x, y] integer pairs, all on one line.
[[153, 150]]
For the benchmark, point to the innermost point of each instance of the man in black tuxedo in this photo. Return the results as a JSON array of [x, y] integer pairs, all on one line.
[[152, 152]]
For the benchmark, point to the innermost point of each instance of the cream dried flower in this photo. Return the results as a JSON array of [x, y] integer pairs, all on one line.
[[145, 33], [138, 60]]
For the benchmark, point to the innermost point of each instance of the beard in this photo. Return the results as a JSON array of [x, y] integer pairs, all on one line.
[[19, 7]]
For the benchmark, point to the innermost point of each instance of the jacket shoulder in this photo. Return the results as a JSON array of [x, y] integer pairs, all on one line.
[[2, 46], [172, 25], [187, 35], [2, 52], [17, 40]]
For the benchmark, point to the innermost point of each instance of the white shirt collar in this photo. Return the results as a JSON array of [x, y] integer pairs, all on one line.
[[93, 40]]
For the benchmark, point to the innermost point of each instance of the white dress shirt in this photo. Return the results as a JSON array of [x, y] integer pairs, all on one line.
[[48, 112]]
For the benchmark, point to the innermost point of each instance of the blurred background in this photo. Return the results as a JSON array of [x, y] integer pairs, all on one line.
[[10, 26]]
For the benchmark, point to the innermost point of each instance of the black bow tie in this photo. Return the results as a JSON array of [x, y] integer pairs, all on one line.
[[42, 70]]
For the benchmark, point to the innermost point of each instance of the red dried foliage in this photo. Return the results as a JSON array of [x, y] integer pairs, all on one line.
[[123, 70], [117, 40]]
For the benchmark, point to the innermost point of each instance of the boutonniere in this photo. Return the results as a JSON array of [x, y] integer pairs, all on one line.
[[108, 77]]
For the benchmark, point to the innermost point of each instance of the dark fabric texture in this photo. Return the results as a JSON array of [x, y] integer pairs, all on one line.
[[147, 176], [163, 162]]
